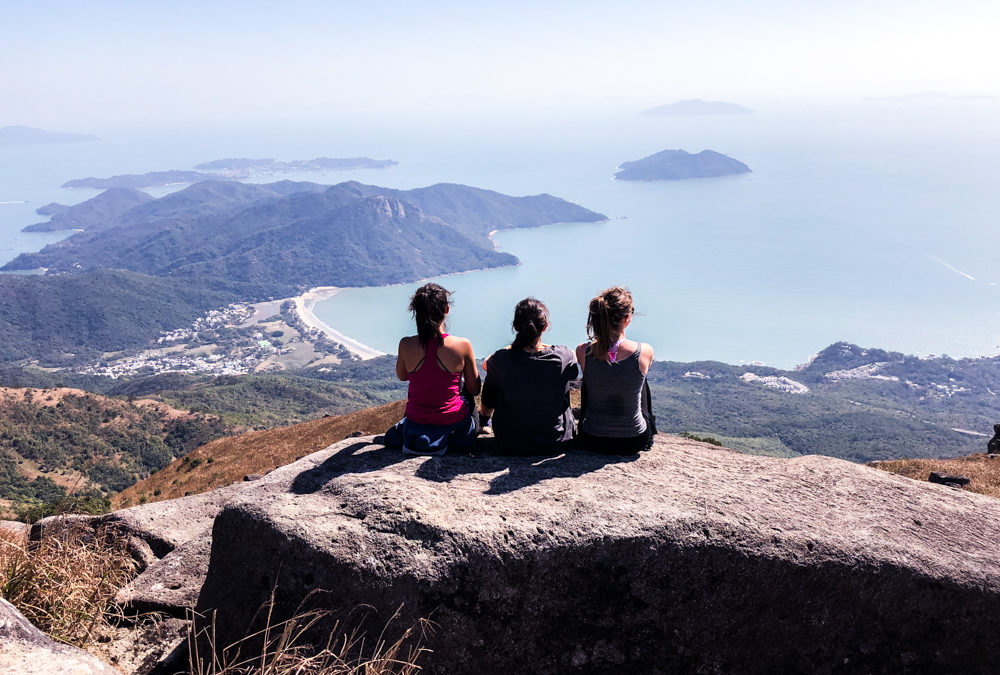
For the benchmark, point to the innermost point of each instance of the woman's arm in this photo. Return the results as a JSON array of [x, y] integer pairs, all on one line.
[[401, 372], [645, 358], [470, 372], [581, 355]]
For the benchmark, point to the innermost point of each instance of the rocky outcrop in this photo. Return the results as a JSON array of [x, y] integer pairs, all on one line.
[[14, 527], [25, 650], [686, 558]]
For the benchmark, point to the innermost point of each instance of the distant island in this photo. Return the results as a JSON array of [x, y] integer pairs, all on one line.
[[695, 106], [231, 168], [680, 165], [241, 167], [16, 135]]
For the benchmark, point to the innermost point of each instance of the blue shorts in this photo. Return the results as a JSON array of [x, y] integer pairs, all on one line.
[[432, 439]]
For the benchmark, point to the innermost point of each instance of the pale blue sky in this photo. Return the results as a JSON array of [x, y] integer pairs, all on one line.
[[138, 62]]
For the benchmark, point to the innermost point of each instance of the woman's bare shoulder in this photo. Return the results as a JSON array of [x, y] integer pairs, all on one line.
[[456, 342]]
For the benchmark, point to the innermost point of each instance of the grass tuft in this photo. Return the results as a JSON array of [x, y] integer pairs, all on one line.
[[281, 648], [66, 582]]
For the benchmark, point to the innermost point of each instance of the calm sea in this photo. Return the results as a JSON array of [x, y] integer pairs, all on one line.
[[875, 223]]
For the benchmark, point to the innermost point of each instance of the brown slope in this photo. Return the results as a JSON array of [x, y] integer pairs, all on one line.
[[227, 460], [982, 470]]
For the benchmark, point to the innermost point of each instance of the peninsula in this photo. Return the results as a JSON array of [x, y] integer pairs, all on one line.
[[680, 165]]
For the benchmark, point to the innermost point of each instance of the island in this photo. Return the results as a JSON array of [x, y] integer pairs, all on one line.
[[18, 135], [680, 165], [695, 106], [229, 169], [243, 167]]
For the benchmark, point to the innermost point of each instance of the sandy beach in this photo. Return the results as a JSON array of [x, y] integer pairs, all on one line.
[[304, 305]]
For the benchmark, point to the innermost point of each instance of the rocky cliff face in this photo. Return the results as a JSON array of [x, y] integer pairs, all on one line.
[[685, 558]]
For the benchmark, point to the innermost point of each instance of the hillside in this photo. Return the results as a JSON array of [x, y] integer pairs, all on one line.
[[91, 214], [57, 440], [982, 470], [303, 234], [849, 402], [227, 460], [72, 317]]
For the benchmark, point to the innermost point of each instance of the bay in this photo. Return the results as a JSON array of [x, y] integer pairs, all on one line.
[[870, 222]]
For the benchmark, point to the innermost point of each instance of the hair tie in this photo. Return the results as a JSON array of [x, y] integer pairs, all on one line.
[[613, 351]]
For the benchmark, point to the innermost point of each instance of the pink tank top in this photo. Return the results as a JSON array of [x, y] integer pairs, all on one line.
[[435, 395]]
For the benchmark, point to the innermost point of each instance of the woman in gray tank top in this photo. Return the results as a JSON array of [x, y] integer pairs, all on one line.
[[614, 378]]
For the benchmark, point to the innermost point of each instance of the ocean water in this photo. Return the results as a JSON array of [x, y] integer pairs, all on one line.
[[873, 222]]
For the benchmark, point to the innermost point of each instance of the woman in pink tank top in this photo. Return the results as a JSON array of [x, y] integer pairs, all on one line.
[[442, 375]]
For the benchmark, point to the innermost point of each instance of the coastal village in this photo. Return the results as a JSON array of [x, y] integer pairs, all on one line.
[[237, 339]]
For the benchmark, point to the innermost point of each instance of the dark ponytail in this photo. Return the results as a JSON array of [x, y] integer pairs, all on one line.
[[608, 312], [429, 306], [531, 318]]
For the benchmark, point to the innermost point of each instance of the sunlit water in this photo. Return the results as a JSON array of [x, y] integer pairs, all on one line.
[[875, 224]]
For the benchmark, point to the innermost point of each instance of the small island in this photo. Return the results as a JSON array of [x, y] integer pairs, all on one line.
[[17, 135], [695, 106], [243, 167], [681, 165], [231, 169]]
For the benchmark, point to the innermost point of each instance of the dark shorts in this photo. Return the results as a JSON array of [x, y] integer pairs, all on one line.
[[620, 446], [432, 439]]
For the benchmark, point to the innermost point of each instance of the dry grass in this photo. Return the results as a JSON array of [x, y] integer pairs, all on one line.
[[225, 461], [65, 583], [282, 649], [983, 472]]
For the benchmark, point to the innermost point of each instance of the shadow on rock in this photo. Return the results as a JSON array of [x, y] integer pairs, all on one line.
[[520, 472], [347, 460]]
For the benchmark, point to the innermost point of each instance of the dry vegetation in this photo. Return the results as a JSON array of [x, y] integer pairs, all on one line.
[[227, 460], [65, 583], [283, 648], [982, 470]]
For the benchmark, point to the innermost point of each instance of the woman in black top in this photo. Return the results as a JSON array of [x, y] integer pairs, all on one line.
[[527, 387]]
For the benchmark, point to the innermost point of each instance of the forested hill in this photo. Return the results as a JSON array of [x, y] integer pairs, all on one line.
[[218, 242], [300, 234], [66, 317]]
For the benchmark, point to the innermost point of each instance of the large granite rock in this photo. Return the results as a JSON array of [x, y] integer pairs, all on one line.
[[25, 650], [687, 558]]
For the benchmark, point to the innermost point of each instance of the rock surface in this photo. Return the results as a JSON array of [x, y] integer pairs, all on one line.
[[25, 650], [687, 558], [14, 526]]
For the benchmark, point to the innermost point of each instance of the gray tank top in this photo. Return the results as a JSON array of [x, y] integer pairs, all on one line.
[[614, 397]]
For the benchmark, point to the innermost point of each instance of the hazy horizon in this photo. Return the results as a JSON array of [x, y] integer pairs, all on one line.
[[91, 67]]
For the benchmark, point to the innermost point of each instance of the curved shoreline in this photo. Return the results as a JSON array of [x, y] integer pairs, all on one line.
[[304, 305]]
